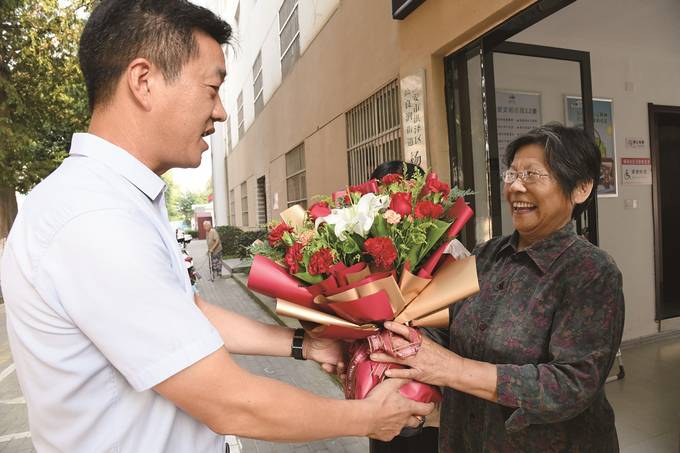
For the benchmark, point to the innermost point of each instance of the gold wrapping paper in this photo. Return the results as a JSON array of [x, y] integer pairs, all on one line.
[[438, 319], [387, 284], [411, 285], [285, 308], [453, 282], [356, 276], [294, 216]]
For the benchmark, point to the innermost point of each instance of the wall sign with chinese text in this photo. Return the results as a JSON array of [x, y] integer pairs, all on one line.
[[413, 94], [636, 170], [604, 138], [516, 114]]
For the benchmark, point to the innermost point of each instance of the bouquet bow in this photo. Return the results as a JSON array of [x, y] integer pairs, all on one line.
[[363, 374]]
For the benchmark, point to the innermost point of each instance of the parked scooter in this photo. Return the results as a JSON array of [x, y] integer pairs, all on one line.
[[183, 240]]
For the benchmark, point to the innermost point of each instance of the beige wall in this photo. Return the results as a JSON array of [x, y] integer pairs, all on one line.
[[434, 30], [354, 55]]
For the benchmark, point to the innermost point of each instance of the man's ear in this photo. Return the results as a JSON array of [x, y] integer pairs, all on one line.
[[140, 81], [582, 192]]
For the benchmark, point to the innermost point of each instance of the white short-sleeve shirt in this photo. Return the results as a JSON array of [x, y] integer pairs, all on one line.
[[100, 309]]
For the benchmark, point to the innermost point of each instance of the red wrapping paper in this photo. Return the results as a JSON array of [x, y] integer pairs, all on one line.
[[268, 278]]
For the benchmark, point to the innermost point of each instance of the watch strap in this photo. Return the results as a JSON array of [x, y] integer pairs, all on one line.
[[296, 346]]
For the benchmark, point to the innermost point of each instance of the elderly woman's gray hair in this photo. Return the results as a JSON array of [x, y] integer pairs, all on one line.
[[571, 155]]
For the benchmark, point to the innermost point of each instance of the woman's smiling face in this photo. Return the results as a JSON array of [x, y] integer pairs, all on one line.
[[538, 208]]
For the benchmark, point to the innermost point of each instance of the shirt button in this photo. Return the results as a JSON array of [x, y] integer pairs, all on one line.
[[483, 326]]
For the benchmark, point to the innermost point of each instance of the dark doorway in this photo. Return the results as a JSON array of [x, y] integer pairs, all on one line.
[[664, 139]]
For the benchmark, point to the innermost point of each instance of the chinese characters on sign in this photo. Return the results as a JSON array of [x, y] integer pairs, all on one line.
[[636, 170], [635, 143], [413, 118], [604, 138], [516, 114]]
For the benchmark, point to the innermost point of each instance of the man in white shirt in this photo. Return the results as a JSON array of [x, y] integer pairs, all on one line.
[[111, 351]]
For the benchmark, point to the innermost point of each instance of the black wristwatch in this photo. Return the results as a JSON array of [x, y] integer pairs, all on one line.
[[296, 347]]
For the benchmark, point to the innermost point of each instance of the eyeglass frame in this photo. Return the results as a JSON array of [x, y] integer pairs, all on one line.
[[522, 176]]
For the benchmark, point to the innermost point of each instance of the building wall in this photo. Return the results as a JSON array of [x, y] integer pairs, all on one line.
[[351, 57], [434, 30]]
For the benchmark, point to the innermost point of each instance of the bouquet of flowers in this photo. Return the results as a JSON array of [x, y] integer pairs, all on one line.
[[371, 253]]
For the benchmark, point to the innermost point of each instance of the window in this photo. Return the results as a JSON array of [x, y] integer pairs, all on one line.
[[374, 133], [244, 203], [289, 35], [296, 182], [261, 201], [239, 105], [232, 208], [257, 84]]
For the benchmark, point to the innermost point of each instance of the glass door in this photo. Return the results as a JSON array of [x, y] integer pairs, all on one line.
[[497, 93]]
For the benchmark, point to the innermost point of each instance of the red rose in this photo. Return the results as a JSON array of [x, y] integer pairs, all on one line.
[[277, 232], [434, 185], [320, 262], [401, 203], [382, 250], [319, 209], [293, 258], [391, 178], [426, 208], [370, 186]]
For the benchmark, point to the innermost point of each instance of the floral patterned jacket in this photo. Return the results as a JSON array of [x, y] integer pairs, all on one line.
[[551, 318]]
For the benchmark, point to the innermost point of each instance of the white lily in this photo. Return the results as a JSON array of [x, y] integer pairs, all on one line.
[[357, 218]]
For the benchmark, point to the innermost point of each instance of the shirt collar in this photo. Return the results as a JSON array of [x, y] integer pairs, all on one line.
[[544, 252], [120, 161]]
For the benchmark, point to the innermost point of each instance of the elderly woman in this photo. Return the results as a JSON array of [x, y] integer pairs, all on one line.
[[528, 355]]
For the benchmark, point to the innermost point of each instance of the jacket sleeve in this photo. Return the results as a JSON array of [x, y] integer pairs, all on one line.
[[586, 334]]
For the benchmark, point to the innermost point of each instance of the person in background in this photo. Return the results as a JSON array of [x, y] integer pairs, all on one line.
[[412, 441], [212, 238], [112, 350], [528, 356]]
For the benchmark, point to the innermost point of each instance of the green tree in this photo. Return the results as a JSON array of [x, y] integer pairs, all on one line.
[[172, 196], [43, 98], [185, 204]]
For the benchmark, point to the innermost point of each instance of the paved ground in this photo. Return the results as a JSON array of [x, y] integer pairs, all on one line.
[[14, 436], [307, 375]]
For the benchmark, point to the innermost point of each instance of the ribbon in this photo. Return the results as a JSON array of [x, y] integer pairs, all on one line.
[[364, 374]]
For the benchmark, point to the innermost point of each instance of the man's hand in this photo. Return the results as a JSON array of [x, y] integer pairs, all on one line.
[[433, 364], [392, 411], [329, 353]]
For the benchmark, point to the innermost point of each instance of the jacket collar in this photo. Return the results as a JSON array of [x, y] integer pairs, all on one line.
[[543, 253]]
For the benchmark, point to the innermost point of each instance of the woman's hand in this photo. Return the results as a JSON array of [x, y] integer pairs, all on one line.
[[433, 364]]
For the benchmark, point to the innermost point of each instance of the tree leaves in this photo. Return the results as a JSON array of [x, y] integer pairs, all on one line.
[[43, 99]]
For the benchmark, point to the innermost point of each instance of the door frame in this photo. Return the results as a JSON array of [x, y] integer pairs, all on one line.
[[652, 111], [459, 121]]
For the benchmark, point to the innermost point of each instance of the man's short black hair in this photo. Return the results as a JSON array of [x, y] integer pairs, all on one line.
[[162, 31], [571, 155]]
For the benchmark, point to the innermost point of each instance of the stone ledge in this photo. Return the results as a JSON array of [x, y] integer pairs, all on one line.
[[238, 266], [267, 303]]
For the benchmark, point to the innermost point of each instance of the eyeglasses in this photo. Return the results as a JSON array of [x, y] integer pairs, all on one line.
[[527, 177]]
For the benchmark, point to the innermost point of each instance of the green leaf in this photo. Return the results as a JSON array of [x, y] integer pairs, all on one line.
[[434, 234], [307, 278], [379, 228]]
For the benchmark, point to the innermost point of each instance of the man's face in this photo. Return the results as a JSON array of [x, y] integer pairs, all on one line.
[[187, 108]]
